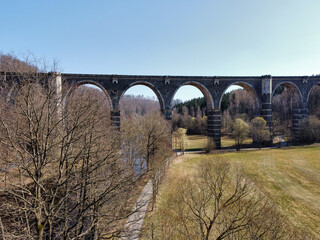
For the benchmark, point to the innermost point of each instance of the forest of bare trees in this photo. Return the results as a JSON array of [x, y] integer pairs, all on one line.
[[63, 173], [138, 105]]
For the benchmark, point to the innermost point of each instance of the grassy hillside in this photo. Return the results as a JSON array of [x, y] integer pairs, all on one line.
[[290, 177]]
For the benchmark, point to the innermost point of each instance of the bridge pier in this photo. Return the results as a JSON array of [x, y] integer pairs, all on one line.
[[266, 108], [299, 114], [214, 126], [115, 119], [56, 80], [168, 114], [266, 114]]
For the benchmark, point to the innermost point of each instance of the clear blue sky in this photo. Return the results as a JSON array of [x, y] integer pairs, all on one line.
[[167, 37]]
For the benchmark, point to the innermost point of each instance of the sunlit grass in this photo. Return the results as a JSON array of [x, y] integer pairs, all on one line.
[[227, 141], [197, 142], [290, 177]]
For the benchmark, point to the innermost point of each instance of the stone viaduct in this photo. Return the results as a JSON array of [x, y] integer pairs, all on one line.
[[213, 88]]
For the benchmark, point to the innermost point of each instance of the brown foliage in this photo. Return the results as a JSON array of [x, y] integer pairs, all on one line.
[[146, 146], [10, 63], [138, 105], [62, 174]]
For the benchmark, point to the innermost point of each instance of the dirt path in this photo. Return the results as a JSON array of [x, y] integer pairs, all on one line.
[[134, 223]]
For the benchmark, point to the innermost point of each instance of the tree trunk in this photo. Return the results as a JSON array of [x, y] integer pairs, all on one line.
[[40, 230]]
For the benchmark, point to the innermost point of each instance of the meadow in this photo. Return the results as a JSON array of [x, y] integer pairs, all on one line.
[[289, 177], [198, 142]]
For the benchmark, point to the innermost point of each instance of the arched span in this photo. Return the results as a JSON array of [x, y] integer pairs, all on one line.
[[288, 84], [308, 97], [149, 85], [202, 88], [246, 86], [83, 82]]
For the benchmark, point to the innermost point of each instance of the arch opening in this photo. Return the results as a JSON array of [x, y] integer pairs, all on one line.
[[286, 99], [140, 99], [88, 88], [88, 100], [245, 90], [239, 100], [145, 132], [190, 105], [314, 101], [191, 90], [312, 130]]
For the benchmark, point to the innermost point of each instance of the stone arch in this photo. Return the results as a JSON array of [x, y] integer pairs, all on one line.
[[289, 124], [77, 84], [149, 85], [308, 96], [248, 87], [202, 88], [288, 84]]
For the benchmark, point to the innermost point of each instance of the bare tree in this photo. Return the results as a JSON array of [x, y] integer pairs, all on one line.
[[133, 150], [138, 105], [146, 144], [143, 137], [63, 174], [11, 63], [180, 139], [219, 202]]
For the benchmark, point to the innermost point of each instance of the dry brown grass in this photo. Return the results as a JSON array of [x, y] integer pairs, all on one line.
[[290, 177]]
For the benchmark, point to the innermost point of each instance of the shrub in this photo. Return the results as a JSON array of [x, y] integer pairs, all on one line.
[[211, 145], [310, 130]]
